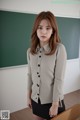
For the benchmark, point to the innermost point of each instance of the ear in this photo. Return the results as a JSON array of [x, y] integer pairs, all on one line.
[[52, 31]]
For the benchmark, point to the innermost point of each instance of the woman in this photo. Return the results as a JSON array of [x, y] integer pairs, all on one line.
[[46, 68]]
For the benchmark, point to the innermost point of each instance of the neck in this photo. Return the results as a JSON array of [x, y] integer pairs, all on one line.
[[43, 43]]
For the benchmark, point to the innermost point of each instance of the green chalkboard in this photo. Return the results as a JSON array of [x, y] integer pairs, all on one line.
[[15, 32]]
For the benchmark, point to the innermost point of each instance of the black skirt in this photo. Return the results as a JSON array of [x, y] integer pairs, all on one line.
[[42, 110]]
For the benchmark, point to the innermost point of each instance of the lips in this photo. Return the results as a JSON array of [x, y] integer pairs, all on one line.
[[43, 36]]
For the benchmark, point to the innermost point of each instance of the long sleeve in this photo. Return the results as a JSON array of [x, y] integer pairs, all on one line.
[[59, 73], [29, 80]]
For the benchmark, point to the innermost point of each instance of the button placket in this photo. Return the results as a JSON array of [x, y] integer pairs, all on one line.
[[38, 73], [39, 64]]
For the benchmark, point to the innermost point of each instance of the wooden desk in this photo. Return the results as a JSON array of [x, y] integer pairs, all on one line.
[[25, 114], [72, 113]]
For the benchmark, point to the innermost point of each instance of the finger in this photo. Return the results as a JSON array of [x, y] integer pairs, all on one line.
[[49, 112], [51, 116], [30, 106]]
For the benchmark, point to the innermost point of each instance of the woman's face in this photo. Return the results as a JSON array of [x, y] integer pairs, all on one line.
[[44, 31]]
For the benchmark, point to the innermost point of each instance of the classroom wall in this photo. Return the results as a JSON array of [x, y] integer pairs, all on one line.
[[67, 9], [13, 80]]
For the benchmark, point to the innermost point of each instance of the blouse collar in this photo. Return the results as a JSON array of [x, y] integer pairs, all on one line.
[[45, 48]]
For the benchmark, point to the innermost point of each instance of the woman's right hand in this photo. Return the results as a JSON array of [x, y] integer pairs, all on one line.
[[29, 104]]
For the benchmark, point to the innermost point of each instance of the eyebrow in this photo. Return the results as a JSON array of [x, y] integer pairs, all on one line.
[[46, 26]]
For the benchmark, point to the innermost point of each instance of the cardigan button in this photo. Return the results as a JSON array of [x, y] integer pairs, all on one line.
[[37, 85], [39, 56], [38, 65], [38, 75]]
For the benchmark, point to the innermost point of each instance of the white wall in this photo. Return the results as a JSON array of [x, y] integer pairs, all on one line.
[[30, 6], [72, 76], [13, 88], [13, 80]]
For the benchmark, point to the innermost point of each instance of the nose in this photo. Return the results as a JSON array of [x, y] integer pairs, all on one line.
[[44, 31]]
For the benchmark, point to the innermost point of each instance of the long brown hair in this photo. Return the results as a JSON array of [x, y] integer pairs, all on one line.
[[54, 37]]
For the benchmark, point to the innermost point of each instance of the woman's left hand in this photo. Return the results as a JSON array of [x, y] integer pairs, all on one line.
[[53, 110]]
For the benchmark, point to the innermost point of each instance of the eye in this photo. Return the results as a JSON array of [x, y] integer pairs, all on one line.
[[39, 27], [48, 28]]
